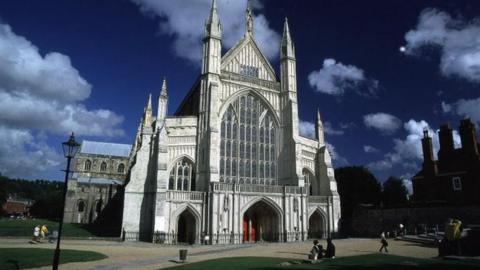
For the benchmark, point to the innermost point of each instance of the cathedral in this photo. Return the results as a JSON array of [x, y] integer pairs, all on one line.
[[230, 165]]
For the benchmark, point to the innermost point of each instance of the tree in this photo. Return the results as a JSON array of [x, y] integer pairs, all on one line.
[[3, 193], [356, 185], [394, 192]]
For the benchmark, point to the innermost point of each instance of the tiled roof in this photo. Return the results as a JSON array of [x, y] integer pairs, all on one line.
[[107, 149], [98, 181]]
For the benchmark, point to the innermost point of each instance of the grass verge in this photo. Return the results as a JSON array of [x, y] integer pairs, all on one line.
[[362, 262], [20, 258]]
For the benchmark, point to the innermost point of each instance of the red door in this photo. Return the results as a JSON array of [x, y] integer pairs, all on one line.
[[245, 229]]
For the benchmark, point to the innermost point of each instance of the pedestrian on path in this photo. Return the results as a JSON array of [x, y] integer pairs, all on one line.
[[330, 251], [36, 233], [383, 241]]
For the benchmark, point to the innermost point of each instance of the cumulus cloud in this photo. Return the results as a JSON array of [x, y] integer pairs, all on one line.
[[457, 40], [334, 78], [408, 152], [25, 155], [384, 122], [307, 129], [41, 94], [370, 149], [464, 107], [185, 20], [337, 159]]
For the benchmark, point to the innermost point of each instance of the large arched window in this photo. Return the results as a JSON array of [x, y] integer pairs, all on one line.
[[248, 149], [88, 165], [103, 167], [309, 179], [182, 176]]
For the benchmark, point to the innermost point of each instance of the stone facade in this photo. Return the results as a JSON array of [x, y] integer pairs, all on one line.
[[100, 170], [230, 165]]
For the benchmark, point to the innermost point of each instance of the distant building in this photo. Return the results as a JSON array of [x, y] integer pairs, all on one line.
[[100, 170], [16, 206], [455, 177]]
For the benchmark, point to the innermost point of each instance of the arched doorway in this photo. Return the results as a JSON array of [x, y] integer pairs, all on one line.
[[186, 229], [261, 223], [316, 225]]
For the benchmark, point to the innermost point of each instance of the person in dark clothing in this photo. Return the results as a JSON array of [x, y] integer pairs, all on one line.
[[384, 242], [330, 251]]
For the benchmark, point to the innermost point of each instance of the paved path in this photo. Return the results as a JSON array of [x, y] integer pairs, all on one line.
[[145, 256]]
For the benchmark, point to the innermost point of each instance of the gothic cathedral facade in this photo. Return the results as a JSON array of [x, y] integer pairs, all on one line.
[[230, 165]]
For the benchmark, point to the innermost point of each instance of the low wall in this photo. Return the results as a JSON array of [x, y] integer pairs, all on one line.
[[371, 221]]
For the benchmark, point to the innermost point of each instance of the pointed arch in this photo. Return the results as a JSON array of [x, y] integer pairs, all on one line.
[[317, 223], [246, 91], [266, 200]]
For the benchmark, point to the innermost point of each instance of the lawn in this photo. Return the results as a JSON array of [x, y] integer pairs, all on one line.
[[24, 227], [10, 258], [363, 262]]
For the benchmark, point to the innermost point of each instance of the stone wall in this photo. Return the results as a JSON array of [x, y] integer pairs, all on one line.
[[369, 221]]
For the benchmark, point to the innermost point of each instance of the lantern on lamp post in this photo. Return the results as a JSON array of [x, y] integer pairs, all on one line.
[[70, 148]]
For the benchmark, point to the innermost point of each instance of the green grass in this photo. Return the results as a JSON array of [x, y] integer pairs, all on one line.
[[363, 262], [37, 257], [20, 227]]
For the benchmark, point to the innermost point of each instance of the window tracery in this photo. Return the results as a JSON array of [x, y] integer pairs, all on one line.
[[182, 176], [248, 150]]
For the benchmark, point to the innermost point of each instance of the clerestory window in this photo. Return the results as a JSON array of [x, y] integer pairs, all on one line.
[[248, 148]]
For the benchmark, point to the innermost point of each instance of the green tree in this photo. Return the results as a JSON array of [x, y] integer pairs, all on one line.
[[356, 185], [394, 192], [3, 193]]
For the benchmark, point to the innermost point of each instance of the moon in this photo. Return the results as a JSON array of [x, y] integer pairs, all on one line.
[[402, 49]]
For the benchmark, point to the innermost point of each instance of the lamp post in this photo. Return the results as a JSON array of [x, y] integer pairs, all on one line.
[[70, 148]]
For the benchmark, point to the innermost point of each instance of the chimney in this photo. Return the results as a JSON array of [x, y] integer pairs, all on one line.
[[429, 165], [446, 142], [468, 134]]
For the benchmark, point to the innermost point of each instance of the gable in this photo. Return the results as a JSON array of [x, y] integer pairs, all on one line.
[[246, 59]]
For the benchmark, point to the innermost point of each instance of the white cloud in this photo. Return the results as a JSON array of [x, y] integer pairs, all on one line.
[[25, 155], [337, 159], [464, 107], [334, 78], [370, 149], [42, 94], [330, 130], [408, 152], [457, 40], [384, 122], [185, 20], [307, 129]]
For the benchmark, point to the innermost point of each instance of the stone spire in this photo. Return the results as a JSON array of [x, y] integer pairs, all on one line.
[[319, 134], [164, 92], [147, 115], [213, 27], [249, 19], [162, 102], [287, 47]]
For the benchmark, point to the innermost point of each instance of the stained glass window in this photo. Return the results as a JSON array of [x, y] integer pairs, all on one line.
[[248, 143], [182, 176]]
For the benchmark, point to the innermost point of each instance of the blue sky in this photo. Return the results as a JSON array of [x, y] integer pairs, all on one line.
[[379, 71]]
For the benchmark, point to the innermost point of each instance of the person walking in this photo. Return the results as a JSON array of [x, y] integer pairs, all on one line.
[[43, 231], [36, 233], [384, 242]]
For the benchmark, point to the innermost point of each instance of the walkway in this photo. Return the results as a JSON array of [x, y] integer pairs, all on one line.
[[146, 256]]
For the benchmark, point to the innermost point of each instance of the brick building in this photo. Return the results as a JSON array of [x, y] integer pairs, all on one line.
[[455, 177]]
